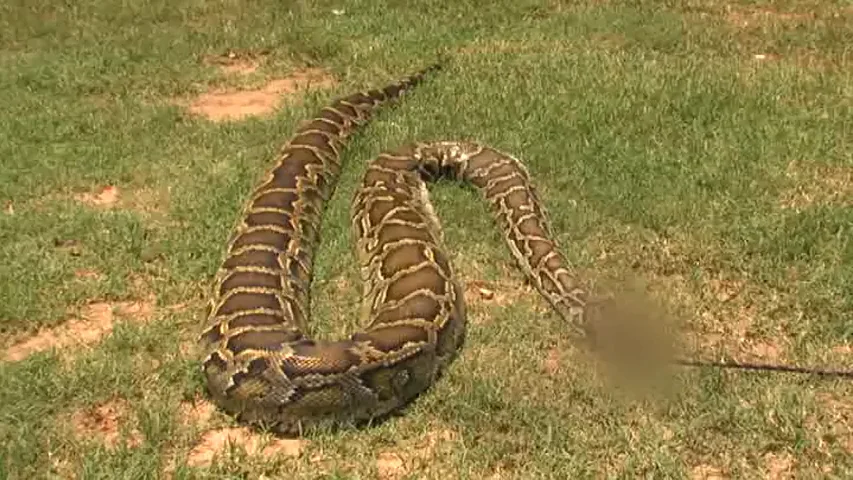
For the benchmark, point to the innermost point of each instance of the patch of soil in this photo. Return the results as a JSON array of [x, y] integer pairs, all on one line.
[[767, 350], [563, 358], [778, 466], [198, 411], [88, 274], [500, 472], [706, 472], [61, 467], [415, 458], [96, 320], [218, 442], [106, 197], [551, 363], [235, 105], [390, 465], [104, 423], [149, 202], [843, 350], [761, 57]]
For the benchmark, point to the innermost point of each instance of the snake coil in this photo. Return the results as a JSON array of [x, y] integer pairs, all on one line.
[[260, 365]]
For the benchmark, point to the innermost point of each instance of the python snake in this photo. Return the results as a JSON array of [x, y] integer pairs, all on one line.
[[260, 365]]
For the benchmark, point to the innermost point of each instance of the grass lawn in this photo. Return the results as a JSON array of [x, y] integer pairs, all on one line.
[[703, 149]]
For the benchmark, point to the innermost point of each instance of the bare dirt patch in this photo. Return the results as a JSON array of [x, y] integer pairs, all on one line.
[[146, 201], [95, 321], [778, 466], [563, 359], [552, 361], [88, 274], [235, 105], [500, 472], [197, 412], [216, 443], [108, 423], [61, 467], [416, 459], [390, 465], [816, 185], [843, 349], [706, 472], [105, 197]]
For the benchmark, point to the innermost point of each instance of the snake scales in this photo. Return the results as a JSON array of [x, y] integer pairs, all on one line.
[[260, 365]]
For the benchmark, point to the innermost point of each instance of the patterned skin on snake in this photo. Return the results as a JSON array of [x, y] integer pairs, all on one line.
[[261, 366], [259, 363]]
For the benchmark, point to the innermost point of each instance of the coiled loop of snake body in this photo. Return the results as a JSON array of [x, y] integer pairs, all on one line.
[[259, 363]]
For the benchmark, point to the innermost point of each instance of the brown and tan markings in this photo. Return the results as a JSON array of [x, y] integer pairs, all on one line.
[[259, 363]]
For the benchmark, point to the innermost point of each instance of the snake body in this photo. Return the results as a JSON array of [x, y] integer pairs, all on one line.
[[259, 363]]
